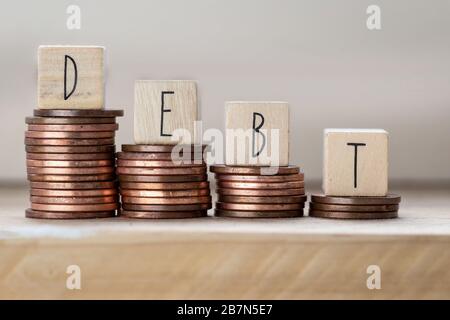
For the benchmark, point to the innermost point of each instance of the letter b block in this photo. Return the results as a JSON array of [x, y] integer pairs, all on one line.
[[355, 162], [257, 133], [165, 112], [70, 77]]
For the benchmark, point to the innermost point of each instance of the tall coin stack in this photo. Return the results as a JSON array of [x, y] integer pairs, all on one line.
[[155, 186], [363, 207], [71, 163], [244, 192]]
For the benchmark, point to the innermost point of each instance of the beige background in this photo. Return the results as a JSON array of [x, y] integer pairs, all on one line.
[[317, 55]]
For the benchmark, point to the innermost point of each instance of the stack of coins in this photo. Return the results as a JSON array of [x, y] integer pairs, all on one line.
[[155, 185], [245, 192], [71, 163], [354, 207]]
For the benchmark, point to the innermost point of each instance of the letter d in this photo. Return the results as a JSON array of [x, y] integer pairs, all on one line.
[[68, 58]]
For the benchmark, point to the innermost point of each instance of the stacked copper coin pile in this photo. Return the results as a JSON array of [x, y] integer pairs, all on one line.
[[249, 192], [70, 163], [354, 207], [158, 183]]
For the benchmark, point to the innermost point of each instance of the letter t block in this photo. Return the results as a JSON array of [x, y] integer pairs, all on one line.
[[165, 112], [257, 133], [70, 77], [355, 162]]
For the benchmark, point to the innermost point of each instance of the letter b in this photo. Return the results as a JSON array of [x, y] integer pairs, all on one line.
[[256, 130]]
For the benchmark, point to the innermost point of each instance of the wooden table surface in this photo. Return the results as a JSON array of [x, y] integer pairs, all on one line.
[[211, 258]]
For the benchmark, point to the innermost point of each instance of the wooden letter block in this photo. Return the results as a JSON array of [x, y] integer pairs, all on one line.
[[70, 77], [161, 107], [355, 162], [257, 133]]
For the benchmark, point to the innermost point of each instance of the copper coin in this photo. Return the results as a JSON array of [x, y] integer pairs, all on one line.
[[167, 207], [165, 185], [70, 149], [259, 186], [258, 214], [73, 185], [39, 120], [260, 179], [164, 193], [163, 214], [252, 170], [73, 200], [389, 199], [69, 134], [70, 178], [29, 213], [70, 171], [260, 193], [175, 178], [162, 148], [161, 171], [77, 113], [351, 208], [353, 215], [68, 142], [71, 156], [74, 193], [74, 207], [179, 200], [243, 199], [73, 127], [157, 164], [70, 164], [259, 207], [158, 156]]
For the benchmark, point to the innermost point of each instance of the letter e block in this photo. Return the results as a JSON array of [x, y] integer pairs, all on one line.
[[355, 162], [70, 77], [257, 133], [165, 112]]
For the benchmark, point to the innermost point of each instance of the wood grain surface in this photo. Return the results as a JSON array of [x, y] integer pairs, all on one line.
[[213, 258]]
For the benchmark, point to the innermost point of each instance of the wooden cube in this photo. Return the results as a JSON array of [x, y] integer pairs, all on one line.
[[70, 77], [257, 133], [161, 107], [355, 162]]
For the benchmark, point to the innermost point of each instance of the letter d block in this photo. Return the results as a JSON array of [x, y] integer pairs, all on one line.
[[257, 133], [165, 112], [70, 77], [355, 162]]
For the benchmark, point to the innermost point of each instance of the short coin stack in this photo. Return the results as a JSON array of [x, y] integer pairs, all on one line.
[[363, 207], [70, 163], [245, 192], [158, 184]]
